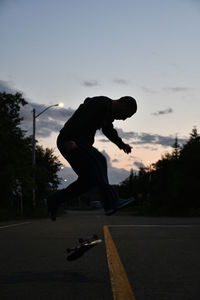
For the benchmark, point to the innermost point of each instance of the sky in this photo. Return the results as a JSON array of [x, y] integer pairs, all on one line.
[[68, 50]]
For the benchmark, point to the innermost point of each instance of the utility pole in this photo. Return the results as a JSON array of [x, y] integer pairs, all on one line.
[[33, 150], [33, 161]]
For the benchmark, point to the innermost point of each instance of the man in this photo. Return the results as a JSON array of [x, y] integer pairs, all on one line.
[[75, 144]]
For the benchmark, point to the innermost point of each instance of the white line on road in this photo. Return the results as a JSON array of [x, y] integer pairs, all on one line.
[[158, 226], [14, 225]]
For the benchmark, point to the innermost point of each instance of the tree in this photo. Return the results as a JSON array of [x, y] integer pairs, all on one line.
[[177, 149], [190, 166], [126, 186], [47, 166], [16, 160], [175, 180], [12, 143], [194, 136]]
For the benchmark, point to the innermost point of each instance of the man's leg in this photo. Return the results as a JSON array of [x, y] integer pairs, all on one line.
[[73, 190], [89, 164], [96, 166], [98, 169]]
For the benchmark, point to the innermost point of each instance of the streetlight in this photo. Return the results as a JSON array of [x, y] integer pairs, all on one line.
[[149, 183], [33, 146]]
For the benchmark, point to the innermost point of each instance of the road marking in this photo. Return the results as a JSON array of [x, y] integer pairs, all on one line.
[[157, 226], [119, 281], [14, 225]]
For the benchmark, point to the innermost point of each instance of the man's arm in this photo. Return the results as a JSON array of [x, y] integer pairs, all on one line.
[[111, 133]]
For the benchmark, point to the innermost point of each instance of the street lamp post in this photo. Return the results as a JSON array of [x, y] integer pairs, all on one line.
[[33, 160], [149, 183], [33, 148]]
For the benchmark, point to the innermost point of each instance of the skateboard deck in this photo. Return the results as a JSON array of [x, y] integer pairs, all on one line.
[[83, 246]]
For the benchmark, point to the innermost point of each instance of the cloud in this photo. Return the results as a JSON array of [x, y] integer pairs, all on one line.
[[7, 86], [144, 138], [107, 157], [126, 135], [53, 113], [138, 164], [115, 175], [165, 141], [51, 121], [147, 90], [90, 83], [177, 89], [103, 140], [149, 138], [163, 112], [151, 148], [121, 81], [115, 160]]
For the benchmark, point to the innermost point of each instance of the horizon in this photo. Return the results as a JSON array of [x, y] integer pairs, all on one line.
[[77, 50]]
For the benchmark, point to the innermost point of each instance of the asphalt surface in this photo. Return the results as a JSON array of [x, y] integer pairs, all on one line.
[[160, 256]]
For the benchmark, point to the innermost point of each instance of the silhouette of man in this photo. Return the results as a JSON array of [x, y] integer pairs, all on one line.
[[75, 142]]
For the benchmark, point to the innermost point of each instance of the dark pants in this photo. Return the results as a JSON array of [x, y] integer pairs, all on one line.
[[91, 167]]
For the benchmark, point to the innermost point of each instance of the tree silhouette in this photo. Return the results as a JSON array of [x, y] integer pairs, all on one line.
[[171, 187], [16, 161]]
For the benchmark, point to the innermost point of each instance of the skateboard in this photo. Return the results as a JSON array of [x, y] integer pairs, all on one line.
[[83, 246]]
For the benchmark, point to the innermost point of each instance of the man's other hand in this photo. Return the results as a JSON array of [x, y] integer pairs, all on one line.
[[127, 148]]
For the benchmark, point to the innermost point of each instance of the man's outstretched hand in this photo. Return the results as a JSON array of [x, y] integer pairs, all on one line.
[[127, 148]]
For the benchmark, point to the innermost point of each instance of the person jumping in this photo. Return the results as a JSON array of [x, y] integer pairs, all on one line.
[[75, 143]]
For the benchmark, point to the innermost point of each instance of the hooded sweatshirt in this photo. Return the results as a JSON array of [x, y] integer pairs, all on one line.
[[93, 114]]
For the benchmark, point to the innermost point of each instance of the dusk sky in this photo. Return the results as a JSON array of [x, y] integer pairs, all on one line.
[[65, 51]]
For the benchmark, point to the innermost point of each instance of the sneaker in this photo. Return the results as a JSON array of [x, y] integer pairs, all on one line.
[[110, 211], [121, 203]]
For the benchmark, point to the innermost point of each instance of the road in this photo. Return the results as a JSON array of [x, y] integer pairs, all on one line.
[[160, 257]]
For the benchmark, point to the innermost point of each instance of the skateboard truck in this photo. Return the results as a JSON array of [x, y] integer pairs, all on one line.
[[84, 245]]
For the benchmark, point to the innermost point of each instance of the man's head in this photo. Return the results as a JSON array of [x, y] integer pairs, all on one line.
[[124, 108]]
